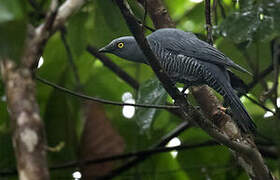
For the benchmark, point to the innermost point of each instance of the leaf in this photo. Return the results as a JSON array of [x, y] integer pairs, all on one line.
[[97, 130], [11, 10], [77, 32], [108, 23], [150, 92], [12, 29], [194, 19], [200, 163], [255, 22], [61, 117], [168, 168]]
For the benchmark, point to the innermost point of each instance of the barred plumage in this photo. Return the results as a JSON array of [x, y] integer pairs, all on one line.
[[190, 61], [180, 67]]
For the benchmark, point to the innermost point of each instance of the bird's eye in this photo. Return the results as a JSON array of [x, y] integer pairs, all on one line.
[[120, 45]]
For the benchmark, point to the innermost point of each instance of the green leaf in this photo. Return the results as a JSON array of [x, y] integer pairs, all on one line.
[[61, 117], [193, 20], [6, 152], [77, 33], [12, 39], [255, 22], [108, 23], [12, 29], [11, 10], [168, 167], [200, 163], [150, 92]]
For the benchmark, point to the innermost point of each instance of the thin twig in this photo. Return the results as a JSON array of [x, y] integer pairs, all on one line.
[[145, 14], [208, 21], [121, 73], [142, 153], [259, 104], [113, 67], [70, 57], [260, 76], [268, 150], [147, 27], [48, 25], [178, 130], [222, 9], [273, 91], [54, 20], [34, 4], [104, 101], [21, 100], [214, 9], [189, 168], [245, 149]]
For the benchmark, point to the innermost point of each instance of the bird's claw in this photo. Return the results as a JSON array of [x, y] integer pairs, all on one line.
[[225, 110]]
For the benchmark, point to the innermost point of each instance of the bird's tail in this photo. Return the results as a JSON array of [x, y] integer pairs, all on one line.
[[240, 115]]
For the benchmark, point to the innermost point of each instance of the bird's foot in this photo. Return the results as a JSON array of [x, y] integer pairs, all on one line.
[[225, 110]]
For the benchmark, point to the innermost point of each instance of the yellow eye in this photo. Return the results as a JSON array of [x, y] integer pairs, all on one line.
[[120, 45]]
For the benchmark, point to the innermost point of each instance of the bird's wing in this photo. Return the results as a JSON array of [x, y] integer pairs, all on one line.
[[188, 44]]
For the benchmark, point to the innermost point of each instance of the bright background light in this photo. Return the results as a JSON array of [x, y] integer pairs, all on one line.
[[267, 114], [186, 92], [278, 102], [128, 111], [41, 62], [77, 175], [172, 143], [4, 98]]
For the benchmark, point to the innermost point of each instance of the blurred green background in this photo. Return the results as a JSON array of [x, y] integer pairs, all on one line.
[[246, 31]]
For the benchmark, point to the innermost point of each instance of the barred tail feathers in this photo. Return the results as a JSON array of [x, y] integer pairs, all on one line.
[[240, 114]]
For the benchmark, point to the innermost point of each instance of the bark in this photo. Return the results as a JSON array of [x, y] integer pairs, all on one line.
[[203, 95], [38, 37], [158, 13], [244, 148], [28, 129]]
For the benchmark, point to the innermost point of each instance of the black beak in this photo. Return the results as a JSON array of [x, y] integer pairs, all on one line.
[[103, 50]]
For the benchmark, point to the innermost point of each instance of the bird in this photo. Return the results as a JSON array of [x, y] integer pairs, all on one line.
[[193, 62]]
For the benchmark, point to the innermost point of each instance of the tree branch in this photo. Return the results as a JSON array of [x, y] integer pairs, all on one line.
[[223, 13], [208, 21], [144, 154], [160, 16], [140, 154], [244, 146], [164, 140], [63, 32], [38, 37], [273, 91], [267, 150], [113, 67], [259, 104], [104, 101], [122, 74], [260, 76], [28, 130]]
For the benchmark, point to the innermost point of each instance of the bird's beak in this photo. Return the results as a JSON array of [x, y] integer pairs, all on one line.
[[103, 50]]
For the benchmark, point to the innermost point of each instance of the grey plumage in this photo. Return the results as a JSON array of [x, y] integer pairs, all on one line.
[[190, 61]]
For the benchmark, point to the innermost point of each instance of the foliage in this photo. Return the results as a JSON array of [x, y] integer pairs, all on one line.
[[245, 35]]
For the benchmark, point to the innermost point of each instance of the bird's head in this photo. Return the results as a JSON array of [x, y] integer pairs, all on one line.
[[125, 47]]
